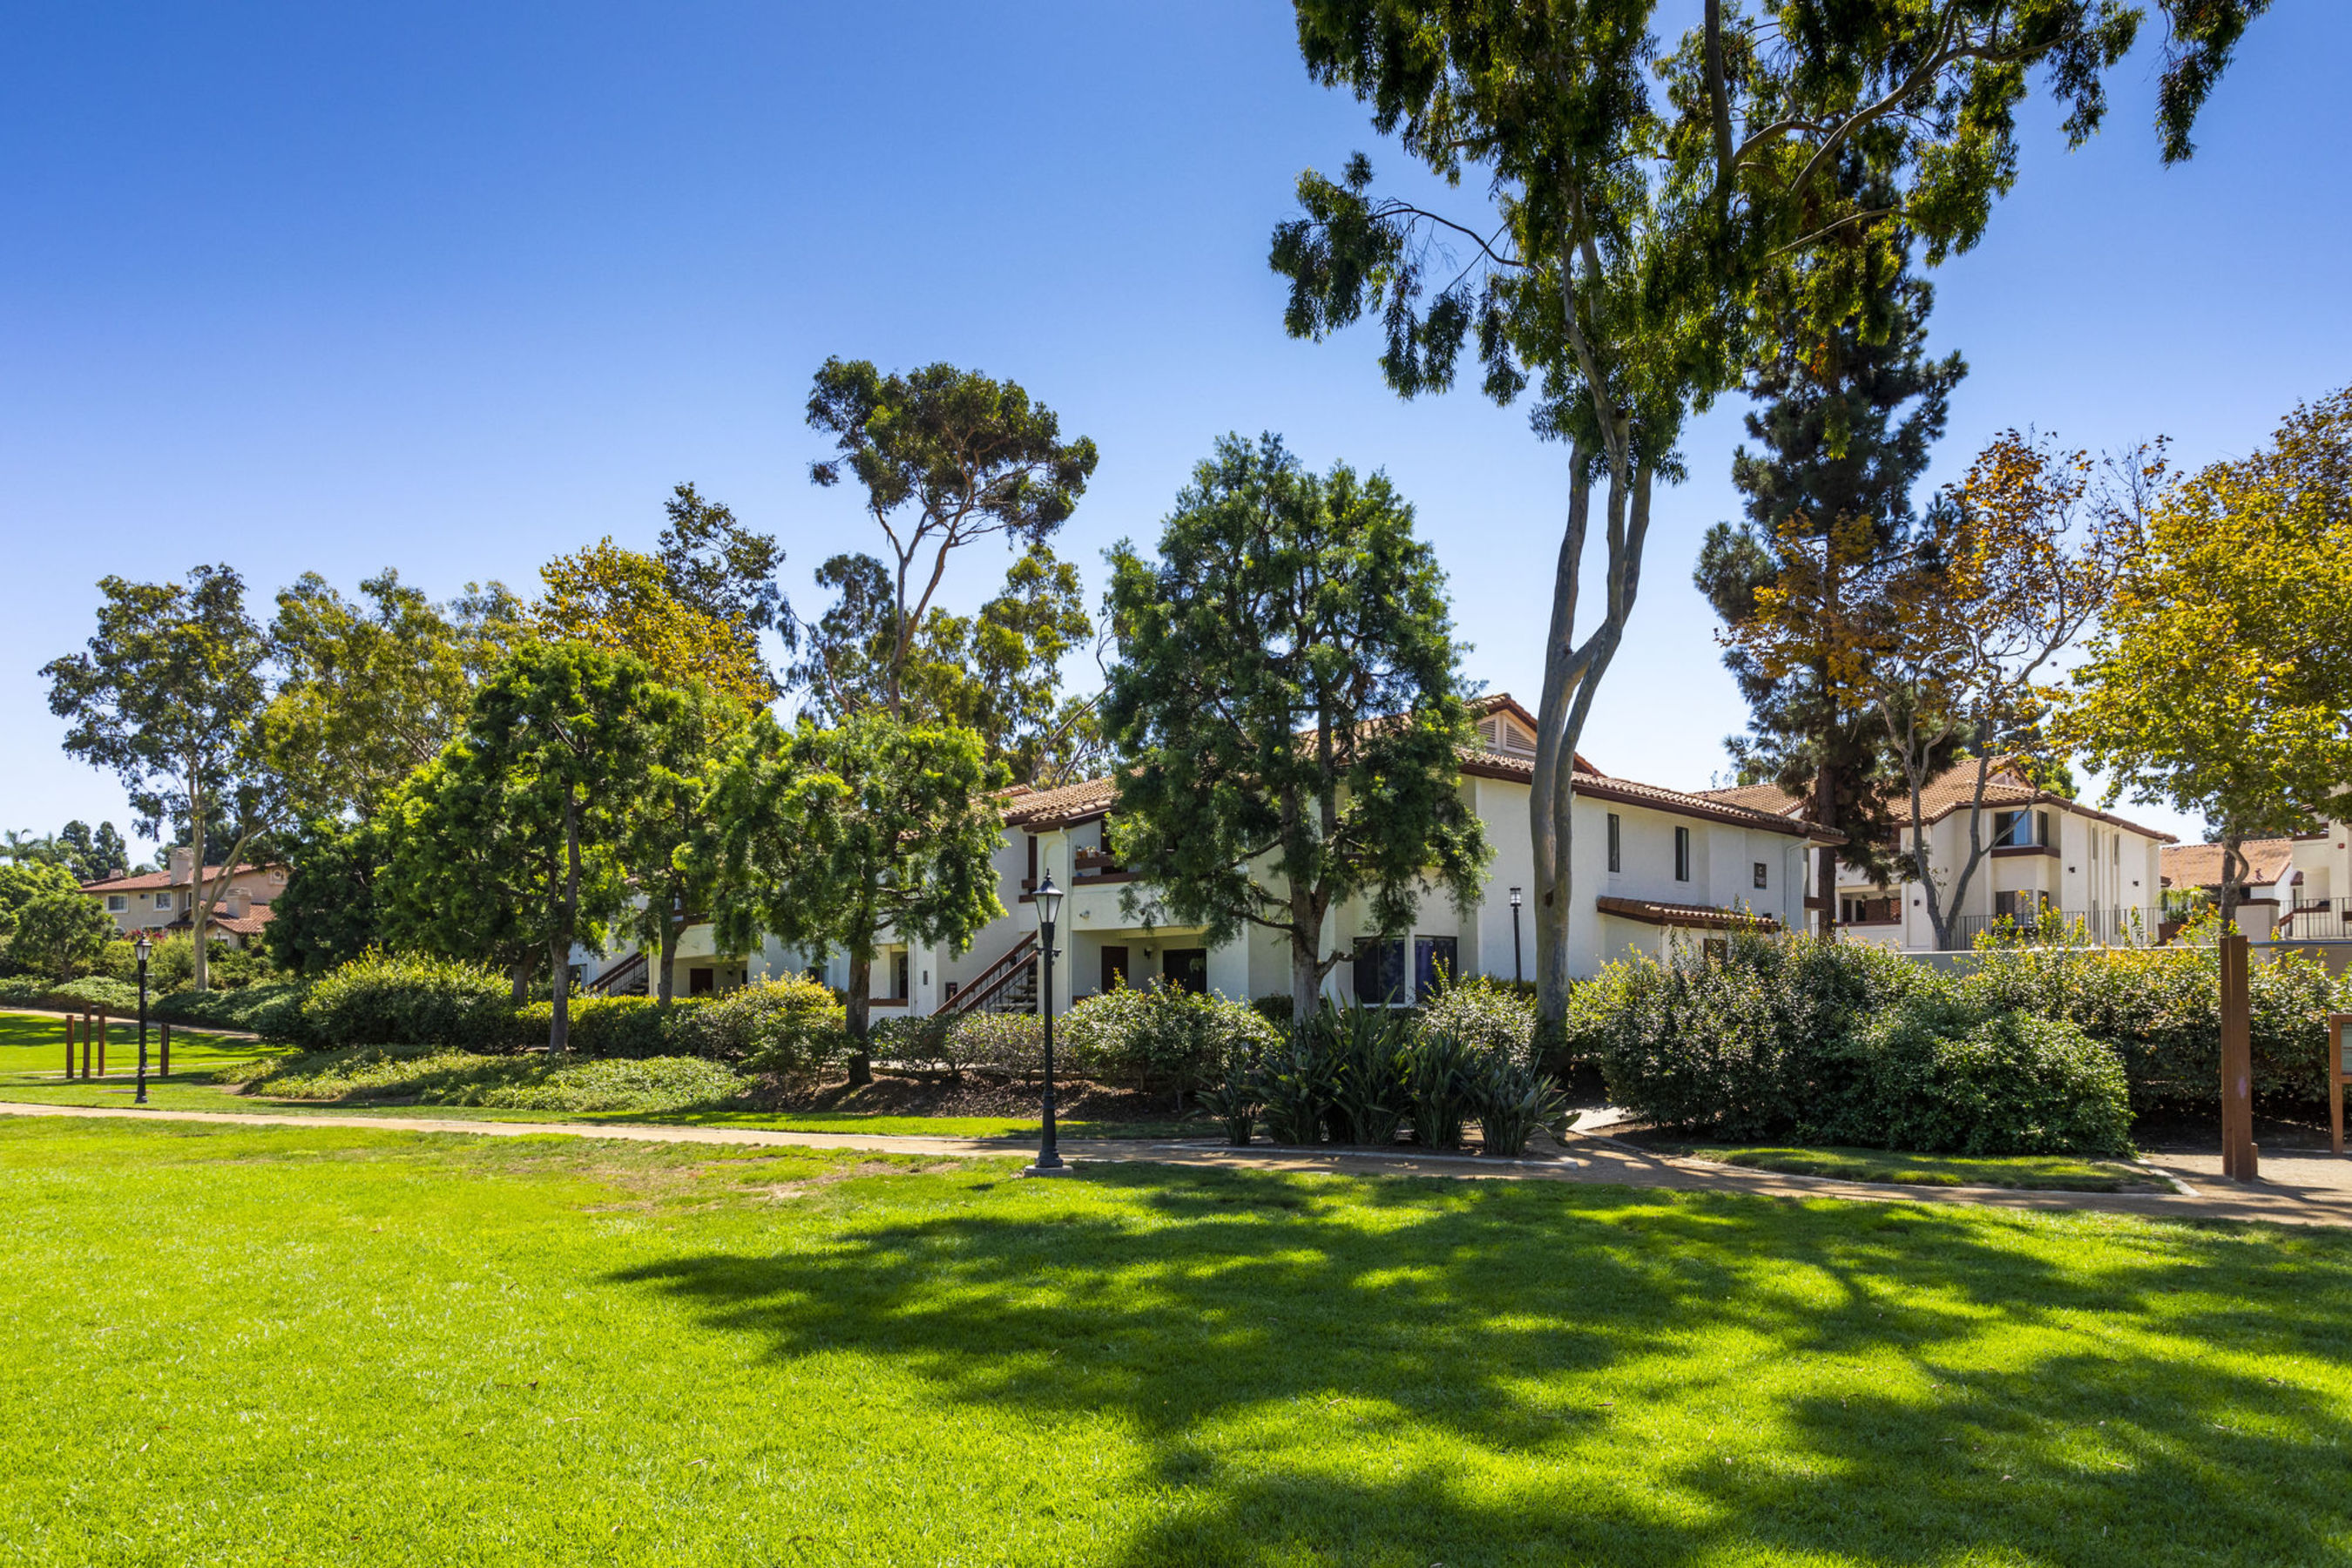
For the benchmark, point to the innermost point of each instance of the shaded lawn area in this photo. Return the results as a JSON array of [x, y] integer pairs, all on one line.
[[32, 1065], [339, 1345], [2043, 1172]]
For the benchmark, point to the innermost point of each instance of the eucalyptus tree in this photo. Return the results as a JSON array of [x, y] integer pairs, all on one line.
[[1635, 196]]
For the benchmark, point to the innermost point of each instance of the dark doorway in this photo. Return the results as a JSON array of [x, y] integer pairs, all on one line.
[[1186, 969], [1432, 966], [898, 987], [701, 982], [1114, 967]]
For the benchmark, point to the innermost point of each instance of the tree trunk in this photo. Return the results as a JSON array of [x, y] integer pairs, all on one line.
[[665, 990], [559, 953], [861, 994], [204, 974], [1306, 960], [522, 970], [1823, 813], [2233, 874]]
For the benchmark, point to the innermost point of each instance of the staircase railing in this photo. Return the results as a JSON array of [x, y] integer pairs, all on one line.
[[992, 982], [627, 972]]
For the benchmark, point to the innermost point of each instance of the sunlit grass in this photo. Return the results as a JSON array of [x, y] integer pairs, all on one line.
[[339, 1346], [2064, 1172]]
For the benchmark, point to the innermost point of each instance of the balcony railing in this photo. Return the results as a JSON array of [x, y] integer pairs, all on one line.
[[2325, 919], [2056, 927]]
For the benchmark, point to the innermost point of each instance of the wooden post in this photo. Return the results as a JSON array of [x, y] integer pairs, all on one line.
[[2240, 1158], [85, 1047], [167, 1052], [69, 1045], [2340, 1071], [101, 1043]]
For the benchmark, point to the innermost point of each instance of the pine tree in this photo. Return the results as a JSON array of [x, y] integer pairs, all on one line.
[[1847, 413]]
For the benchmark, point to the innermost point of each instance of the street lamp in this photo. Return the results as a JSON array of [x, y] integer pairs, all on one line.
[[142, 947], [1518, 974], [1049, 904]]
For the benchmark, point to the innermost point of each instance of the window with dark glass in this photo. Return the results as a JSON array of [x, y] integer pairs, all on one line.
[[1380, 969], [1763, 873], [1616, 855], [1432, 966], [1682, 855]]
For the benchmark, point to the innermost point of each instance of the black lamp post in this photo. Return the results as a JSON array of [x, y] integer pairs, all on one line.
[[1049, 904], [1518, 974], [142, 947]]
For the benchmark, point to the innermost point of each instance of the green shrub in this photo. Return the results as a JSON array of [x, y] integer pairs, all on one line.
[[114, 998], [2013, 1084], [793, 1028], [1369, 1095], [1156, 1038], [1439, 1067], [1235, 1092], [1298, 1081], [1485, 1015], [380, 999], [607, 1026], [1512, 1101], [272, 1009], [424, 1076]]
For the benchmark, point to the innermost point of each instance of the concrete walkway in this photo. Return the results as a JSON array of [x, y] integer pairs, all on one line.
[[2296, 1190]]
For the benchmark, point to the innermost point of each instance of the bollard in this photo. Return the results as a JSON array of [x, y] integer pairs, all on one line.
[[2339, 1071], [69, 1045], [167, 1052], [101, 1044], [85, 1047], [2241, 1160]]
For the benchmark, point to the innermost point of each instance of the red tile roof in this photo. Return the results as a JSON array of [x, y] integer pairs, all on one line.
[[159, 881], [2200, 865], [1653, 912], [1947, 793]]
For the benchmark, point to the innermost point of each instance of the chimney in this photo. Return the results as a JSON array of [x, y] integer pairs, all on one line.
[[183, 866]]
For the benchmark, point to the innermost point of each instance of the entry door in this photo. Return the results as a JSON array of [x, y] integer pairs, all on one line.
[[1114, 967], [701, 982], [1186, 969]]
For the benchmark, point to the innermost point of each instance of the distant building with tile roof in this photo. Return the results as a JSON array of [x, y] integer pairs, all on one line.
[[162, 902]]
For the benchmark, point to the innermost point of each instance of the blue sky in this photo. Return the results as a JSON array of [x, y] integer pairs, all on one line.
[[455, 288]]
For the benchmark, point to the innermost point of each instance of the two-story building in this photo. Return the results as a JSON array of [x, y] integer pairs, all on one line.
[[162, 902], [2295, 888], [1652, 865], [2045, 853]]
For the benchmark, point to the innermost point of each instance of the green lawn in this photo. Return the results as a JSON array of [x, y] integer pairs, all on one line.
[[339, 1345], [32, 1065], [2051, 1171]]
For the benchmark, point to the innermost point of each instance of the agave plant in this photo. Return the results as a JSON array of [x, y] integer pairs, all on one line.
[[1296, 1083], [1369, 1096], [1236, 1093], [1438, 1070], [1512, 1102]]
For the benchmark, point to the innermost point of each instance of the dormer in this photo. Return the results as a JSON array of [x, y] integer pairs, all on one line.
[[1502, 732]]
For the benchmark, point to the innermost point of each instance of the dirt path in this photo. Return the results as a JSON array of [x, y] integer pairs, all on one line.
[[2297, 1190]]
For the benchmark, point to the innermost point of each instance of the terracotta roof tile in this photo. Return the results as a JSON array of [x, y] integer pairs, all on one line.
[[1947, 793], [1654, 911], [146, 881], [2200, 865]]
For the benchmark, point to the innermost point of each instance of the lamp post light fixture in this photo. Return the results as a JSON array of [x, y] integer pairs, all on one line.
[[1049, 904], [1518, 973], [142, 947]]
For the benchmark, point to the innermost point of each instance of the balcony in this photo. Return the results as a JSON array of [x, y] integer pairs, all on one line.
[[2325, 919], [1096, 864], [2056, 927]]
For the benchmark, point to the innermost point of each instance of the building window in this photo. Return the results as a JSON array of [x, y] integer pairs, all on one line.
[[1682, 854], [1616, 845], [1380, 969], [1433, 967], [163, 901], [117, 904], [1763, 874]]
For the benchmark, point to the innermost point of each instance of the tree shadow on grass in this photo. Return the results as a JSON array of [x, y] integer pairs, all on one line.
[[1417, 1371]]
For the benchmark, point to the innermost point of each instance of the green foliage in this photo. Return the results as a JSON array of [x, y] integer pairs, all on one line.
[[430, 1075], [1009, 1043], [1486, 1015], [328, 913], [613, 1025], [1298, 1083], [824, 838], [60, 934], [792, 1028], [1513, 1101], [1369, 1091], [2010, 1084], [272, 1009], [1443, 1073], [1157, 1037], [1289, 697], [1235, 1092], [22, 881], [409, 999]]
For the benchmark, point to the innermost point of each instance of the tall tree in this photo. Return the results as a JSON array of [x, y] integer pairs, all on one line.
[[516, 830], [168, 696], [328, 911], [1946, 643], [713, 563], [1288, 697], [22, 881], [831, 838], [624, 602], [2219, 681], [668, 834], [371, 690], [1848, 410], [60, 934], [946, 456], [1616, 268]]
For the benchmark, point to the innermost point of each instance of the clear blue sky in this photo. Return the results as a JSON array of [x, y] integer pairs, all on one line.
[[455, 288]]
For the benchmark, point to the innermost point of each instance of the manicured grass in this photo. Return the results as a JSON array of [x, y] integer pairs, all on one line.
[[336, 1345], [32, 1064], [2053, 1172]]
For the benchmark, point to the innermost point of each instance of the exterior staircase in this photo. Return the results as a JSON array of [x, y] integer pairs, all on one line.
[[626, 978], [1007, 986]]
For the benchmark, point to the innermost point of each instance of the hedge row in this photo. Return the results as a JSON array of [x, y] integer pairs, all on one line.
[[2032, 1051]]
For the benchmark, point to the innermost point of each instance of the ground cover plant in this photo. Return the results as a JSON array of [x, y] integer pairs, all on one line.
[[2040, 1172], [433, 1077], [338, 1345]]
